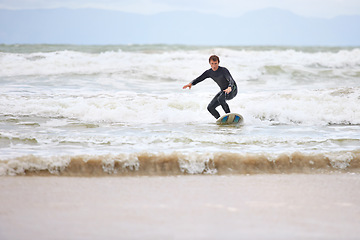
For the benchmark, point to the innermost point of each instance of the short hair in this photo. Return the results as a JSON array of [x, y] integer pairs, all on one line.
[[214, 58]]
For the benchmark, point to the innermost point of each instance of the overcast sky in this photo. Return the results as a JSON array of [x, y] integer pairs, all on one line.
[[232, 8]]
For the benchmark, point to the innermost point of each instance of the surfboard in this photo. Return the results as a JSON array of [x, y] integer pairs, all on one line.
[[230, 118]]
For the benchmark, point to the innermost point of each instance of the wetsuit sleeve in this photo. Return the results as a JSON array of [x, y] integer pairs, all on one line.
[[229, 79], [201, 78]]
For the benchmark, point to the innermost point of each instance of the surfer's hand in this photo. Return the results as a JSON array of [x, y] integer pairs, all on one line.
[[187, 86], [228, 90]]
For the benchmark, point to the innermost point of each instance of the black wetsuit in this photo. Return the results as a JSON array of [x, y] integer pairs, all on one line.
[[224, 79]]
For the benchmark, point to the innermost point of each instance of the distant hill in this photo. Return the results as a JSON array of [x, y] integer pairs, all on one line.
[[94, 26]]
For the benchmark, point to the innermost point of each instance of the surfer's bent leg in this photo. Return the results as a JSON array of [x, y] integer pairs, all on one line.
[[223, 97], [214, 104], [232, 94], [222, 101]]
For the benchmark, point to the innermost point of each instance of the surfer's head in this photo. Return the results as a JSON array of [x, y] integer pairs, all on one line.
[[214, 62], [214, 58]]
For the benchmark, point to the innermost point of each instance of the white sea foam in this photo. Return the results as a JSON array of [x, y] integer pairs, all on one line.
[[66, 103], [320, 107], [174, 63]]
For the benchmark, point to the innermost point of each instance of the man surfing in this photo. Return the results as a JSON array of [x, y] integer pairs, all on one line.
[[223, 78]]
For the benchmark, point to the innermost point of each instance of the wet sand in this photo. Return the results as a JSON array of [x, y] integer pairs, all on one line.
[[292, 206]]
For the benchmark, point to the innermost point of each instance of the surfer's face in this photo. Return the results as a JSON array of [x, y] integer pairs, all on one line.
[[214, 65]]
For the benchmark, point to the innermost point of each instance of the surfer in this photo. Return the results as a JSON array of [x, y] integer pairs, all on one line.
[[225, 81]]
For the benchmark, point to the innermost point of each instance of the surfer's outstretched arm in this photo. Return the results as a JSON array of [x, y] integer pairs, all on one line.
[[187, 86]]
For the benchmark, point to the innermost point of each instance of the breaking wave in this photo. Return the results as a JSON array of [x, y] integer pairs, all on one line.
[[181, 164]]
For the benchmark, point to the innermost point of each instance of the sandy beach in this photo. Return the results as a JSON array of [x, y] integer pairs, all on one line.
[[291, 206]]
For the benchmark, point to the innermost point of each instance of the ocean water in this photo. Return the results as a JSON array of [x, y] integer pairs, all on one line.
[[121, 110]]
